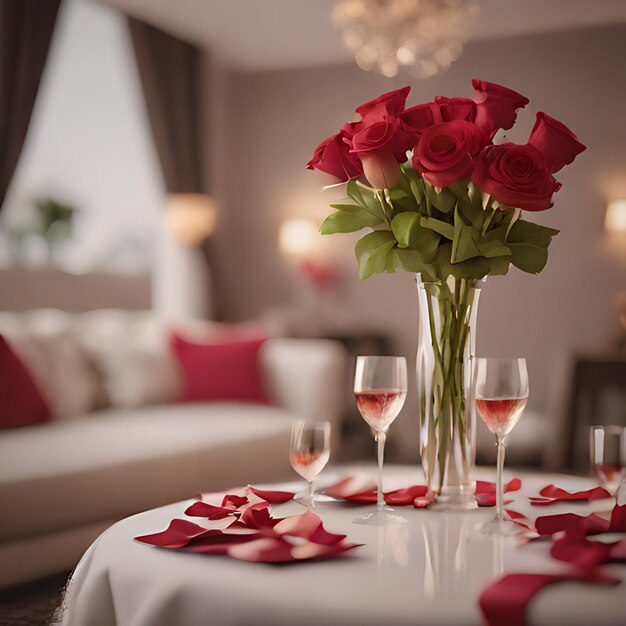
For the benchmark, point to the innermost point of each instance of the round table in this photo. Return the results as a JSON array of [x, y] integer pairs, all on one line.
[[428, 571]]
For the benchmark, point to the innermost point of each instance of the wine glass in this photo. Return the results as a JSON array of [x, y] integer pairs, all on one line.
[[310, 451], [608, 455], [380, 385], [501, 394]]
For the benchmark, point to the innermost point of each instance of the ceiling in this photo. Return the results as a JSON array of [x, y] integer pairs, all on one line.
[[259, 35]]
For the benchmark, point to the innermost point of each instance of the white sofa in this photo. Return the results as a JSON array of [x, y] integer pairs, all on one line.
[[63, 482]]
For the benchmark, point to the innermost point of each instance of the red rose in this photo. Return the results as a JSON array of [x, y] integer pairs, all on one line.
[[445, 152], [381, 169], [420, 117], [333, 157], [558, 144], [375, 135], [496, 106], [380, 145], [456, 109], [516, 176], [390, 103]]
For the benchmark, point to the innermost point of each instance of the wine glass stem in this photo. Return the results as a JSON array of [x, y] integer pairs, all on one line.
[[310, 493], [499, 493], [381, 438]]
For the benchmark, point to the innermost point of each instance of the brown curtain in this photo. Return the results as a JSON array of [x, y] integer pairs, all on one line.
[[169, 71], [26, 28]]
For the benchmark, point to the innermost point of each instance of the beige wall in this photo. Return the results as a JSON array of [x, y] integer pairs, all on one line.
[[271, 122]]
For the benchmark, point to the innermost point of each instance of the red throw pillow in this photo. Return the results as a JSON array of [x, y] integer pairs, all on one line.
[[226, 369], [21, 403]]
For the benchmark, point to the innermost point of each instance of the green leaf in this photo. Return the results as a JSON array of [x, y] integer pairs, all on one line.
[[527, 232], [409, 234], [472, 269], [528, 258], [373, 253], [348, 208], [342, 222], [408, 260], [439, 226], [499, 265], [461, 188], [402, 226], [473, 214], [365, 198], [416, 189], [464, 242], [444, 200], [401, 200], [494, 248]]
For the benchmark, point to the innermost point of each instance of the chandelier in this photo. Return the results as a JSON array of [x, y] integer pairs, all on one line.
[[423, 36]]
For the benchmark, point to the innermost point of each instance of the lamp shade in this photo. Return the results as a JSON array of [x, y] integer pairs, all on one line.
[[615, 220], [190, 217]]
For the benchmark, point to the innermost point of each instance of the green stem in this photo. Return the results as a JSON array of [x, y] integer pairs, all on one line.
[[383, 205], [487, 222]]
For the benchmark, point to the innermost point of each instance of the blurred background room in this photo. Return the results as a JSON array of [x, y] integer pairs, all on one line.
[[153, 185]]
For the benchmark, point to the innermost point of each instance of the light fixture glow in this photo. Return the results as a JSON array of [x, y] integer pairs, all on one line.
[[615, 219], [423, 37], [190, 217], [298, 237]]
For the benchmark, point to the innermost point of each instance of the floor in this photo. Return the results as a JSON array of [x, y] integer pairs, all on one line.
[[34, 604]]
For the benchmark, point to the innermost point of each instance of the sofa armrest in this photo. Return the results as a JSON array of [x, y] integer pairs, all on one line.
[[307, 377]]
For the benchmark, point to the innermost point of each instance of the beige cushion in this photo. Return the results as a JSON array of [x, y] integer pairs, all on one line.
[[61, 368], [116, 462]]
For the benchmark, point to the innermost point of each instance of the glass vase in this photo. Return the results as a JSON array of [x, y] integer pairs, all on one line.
[[446, 346]]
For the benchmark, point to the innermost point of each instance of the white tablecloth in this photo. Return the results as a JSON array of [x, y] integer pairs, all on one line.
[[429, 571]]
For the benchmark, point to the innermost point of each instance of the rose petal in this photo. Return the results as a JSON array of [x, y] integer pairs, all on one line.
[[176, 535], [552, 491], [273, 497], [406, 496], [204, 509], [258, 516], [590, 524], [232, 500], [423, 501]]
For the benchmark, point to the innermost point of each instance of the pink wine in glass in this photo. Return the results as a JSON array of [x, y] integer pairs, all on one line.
[[380, 407], [501, 414], [309, 463], [608, 473]]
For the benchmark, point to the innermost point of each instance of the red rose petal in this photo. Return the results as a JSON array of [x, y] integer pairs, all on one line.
[[273, 497], [176, 535]]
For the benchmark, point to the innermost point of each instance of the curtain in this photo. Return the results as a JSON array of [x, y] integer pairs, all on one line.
[[169, 69], [26, 28], [169, 72]]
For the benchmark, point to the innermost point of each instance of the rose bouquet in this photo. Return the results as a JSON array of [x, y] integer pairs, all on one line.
[[443, 200]]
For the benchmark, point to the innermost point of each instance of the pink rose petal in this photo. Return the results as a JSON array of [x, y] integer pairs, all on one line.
[[405, 497], [266, 550], [423, 501], [350, 487]]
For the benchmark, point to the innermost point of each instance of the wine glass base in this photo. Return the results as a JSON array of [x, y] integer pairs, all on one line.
[[499, 527], [322, 497], [305, 501], [380, 517]]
